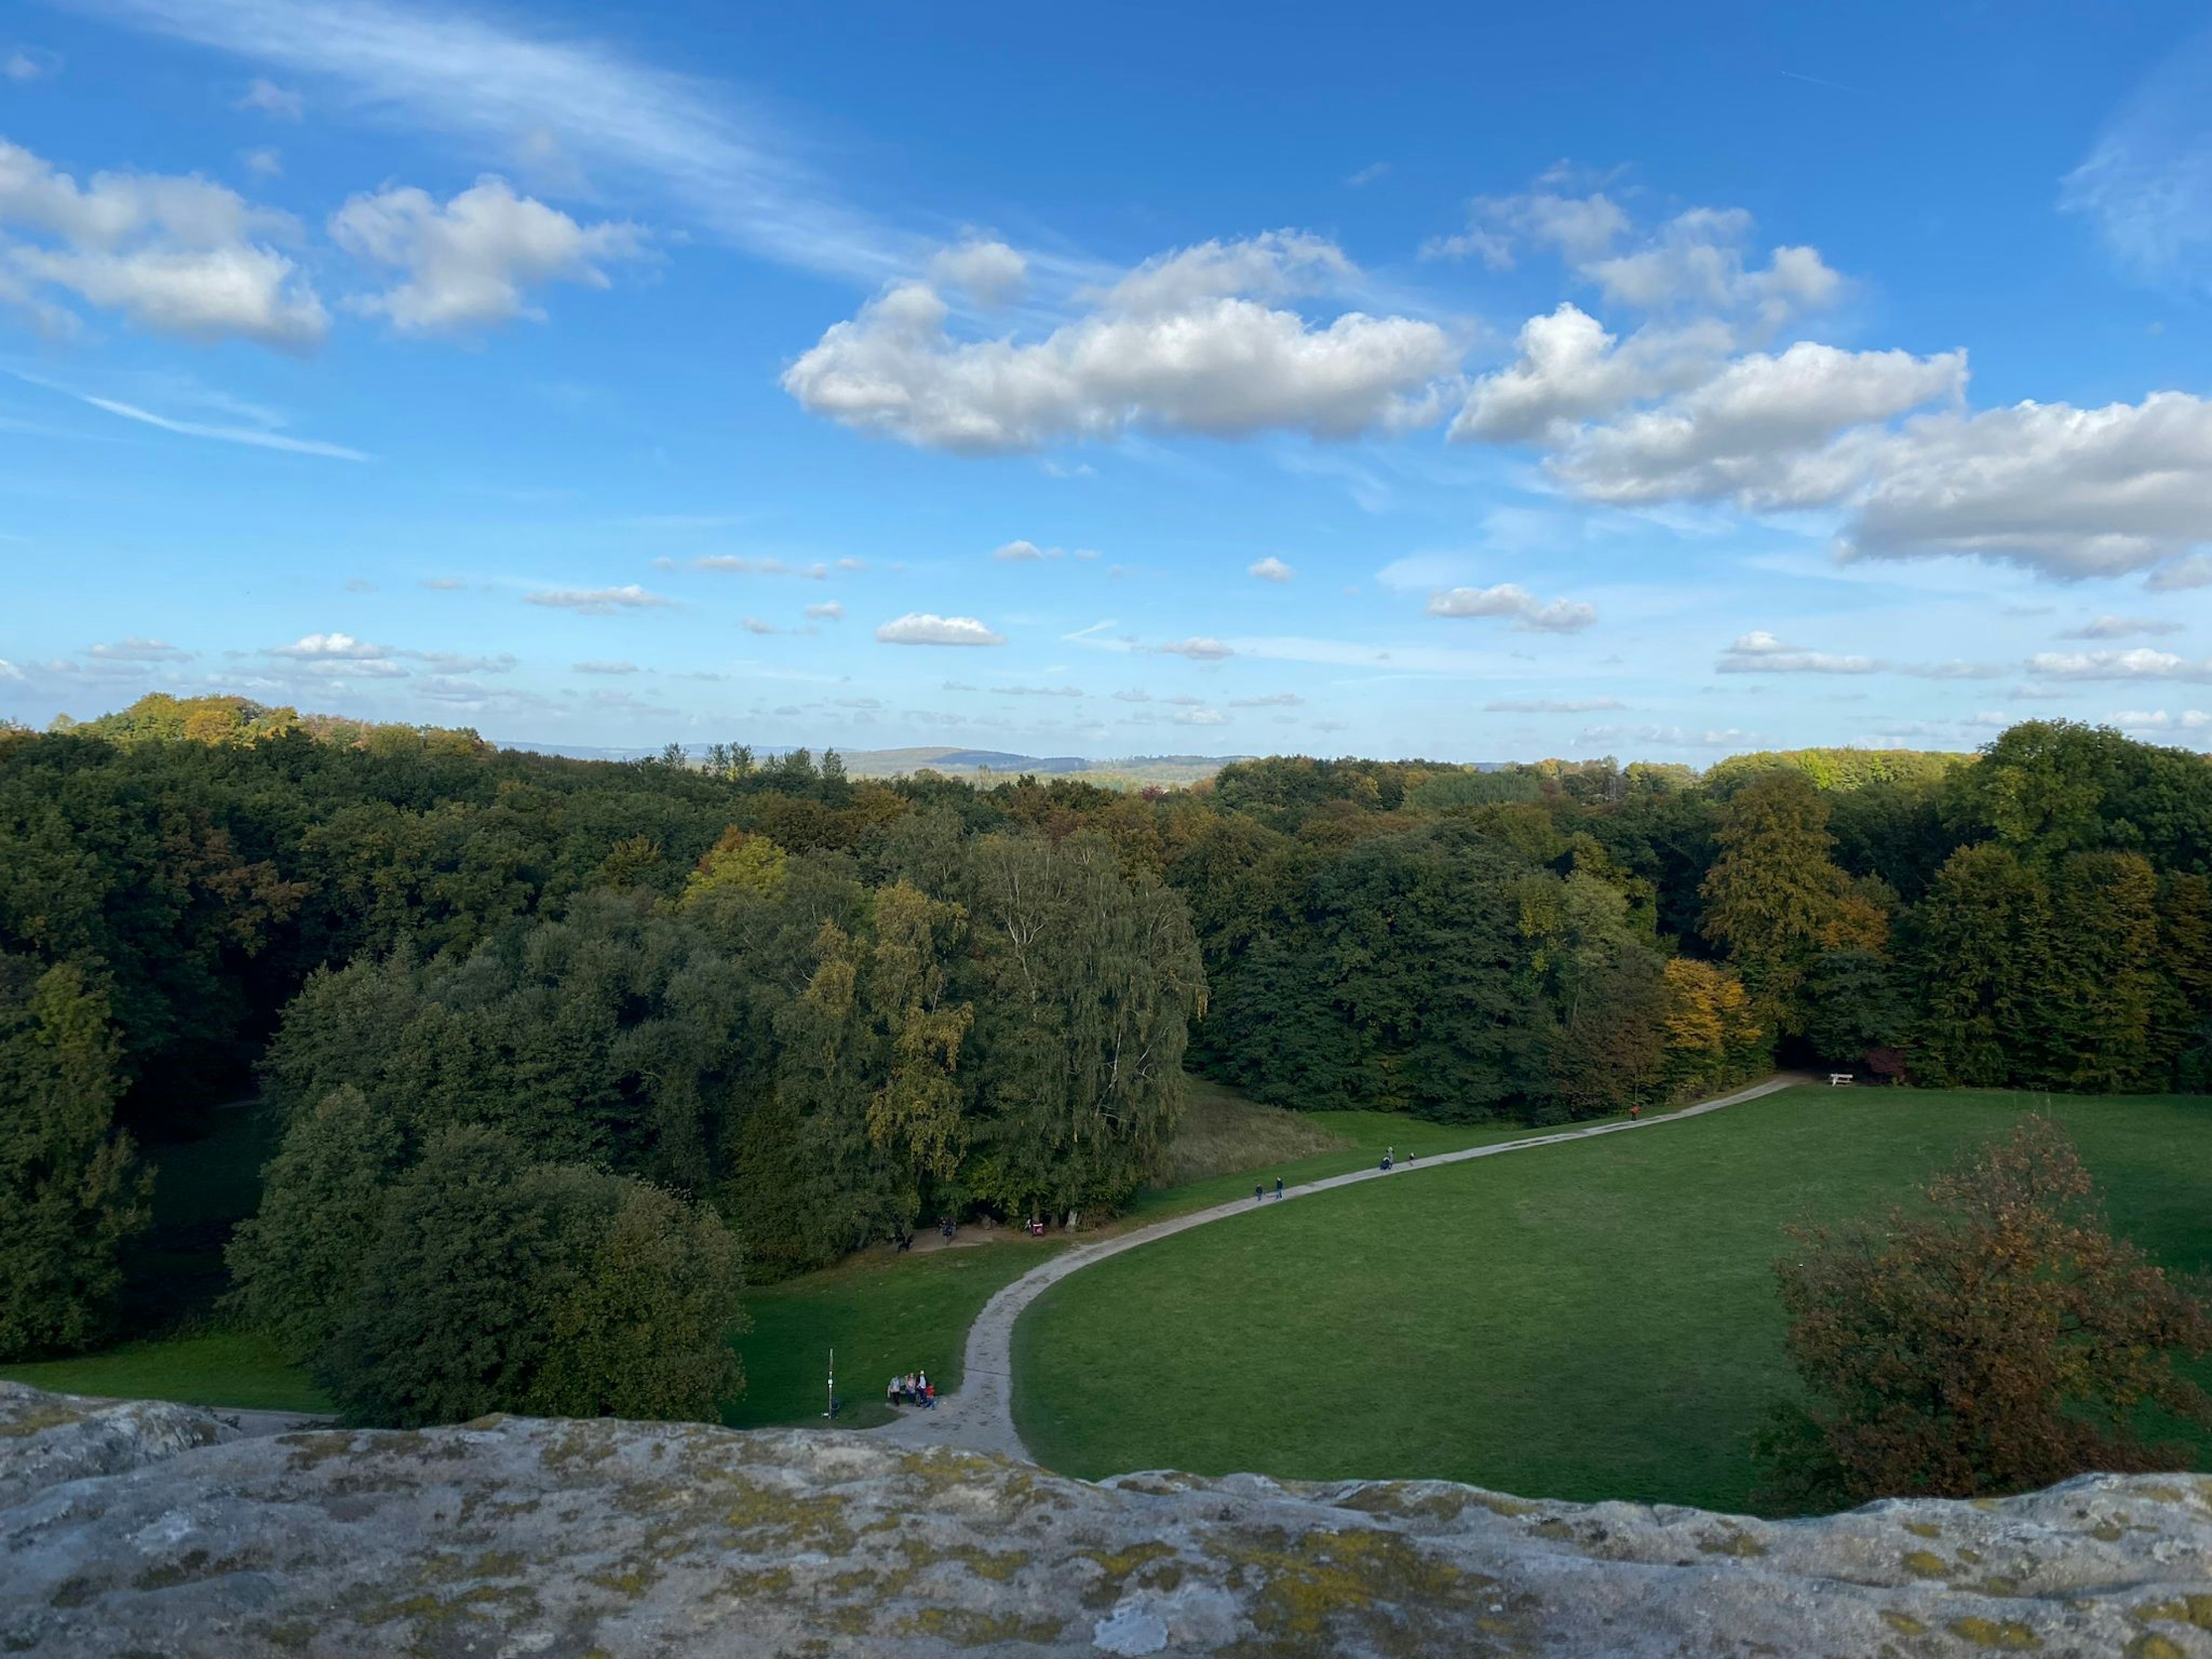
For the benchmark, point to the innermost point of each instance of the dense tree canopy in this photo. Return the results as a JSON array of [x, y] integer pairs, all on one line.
[[819, 1010]]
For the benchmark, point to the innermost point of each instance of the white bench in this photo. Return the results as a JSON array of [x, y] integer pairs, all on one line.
[[1838, 1079]]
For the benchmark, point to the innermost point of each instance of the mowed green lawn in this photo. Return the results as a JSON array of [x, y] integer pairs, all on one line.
[[884, 1314], [1593, 1320]]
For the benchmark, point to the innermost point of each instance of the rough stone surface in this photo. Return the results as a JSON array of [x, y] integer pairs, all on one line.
[[152, 1531]]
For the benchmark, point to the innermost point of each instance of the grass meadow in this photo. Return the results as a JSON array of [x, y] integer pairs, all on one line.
[[1593, 1320]]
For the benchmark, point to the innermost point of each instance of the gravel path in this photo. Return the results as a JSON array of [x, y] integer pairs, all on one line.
[[980, 1417]]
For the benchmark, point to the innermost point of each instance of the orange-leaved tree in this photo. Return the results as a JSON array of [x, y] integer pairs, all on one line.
[[1998, 1340]]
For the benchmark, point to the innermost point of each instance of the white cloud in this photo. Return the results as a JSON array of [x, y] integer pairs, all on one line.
[[1198, 649], [268, 98], [2137, 663], [1270, 569], [1272, 700], [1368, 175], [1201, 717], [1759, 432], [267, 162], [1954, 669], [255, 437], [27, 63], [1581, 228], [2121, 628], [455, 662], [1697, 260], [330, 647], [135, 649], [510, 88], [176, 255], [2157, 720], [471, 263], [2065, 491], [598, 601], [1671, 736], [927, 628], [828, 610], [1551, 705], [1760, 652], [1024, 552], [989, 272], [2146, 185], [1513, 600], [1180, 344], [604, 667], [756, 625], [9, 672]]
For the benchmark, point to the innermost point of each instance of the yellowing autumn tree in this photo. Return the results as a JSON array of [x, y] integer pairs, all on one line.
[[1712, 1033]]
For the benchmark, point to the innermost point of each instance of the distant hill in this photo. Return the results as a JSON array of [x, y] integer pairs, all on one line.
[[1127, 771]]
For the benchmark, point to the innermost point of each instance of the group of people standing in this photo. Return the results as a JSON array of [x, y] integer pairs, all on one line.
[[914, 1388]]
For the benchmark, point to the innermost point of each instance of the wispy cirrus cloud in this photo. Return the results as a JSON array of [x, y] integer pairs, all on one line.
[[255, 437], [726, 167]]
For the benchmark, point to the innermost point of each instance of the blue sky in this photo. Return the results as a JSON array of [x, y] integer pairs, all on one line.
[[1563, 380]]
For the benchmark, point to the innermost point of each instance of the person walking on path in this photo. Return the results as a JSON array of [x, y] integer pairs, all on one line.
[[1256, 1194], [1278, 1187]]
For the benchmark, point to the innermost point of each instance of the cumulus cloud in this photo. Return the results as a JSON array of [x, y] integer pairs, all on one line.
[[2068, 492], [264, 163], [2138, 663], [471, 263], [756, 625], [989, 272], [1582, 230], [1024, 552], [267, 98], [1760, 652], [2121, 628], [1551, 705], [1201, 717], [598, 601], [1759, 432], [1194, 341], [828, 610], [176, 255], [1198, 648], [328, 647], [1691, 406], [1513, 600], [927, 628], [1272, 700], [339, 656], [1270, 569], [1698, 259]]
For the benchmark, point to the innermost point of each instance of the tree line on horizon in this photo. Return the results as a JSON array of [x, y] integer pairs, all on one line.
[[642, 1017]]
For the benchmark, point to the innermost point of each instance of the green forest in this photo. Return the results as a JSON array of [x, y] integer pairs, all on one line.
[[557, 1056]]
